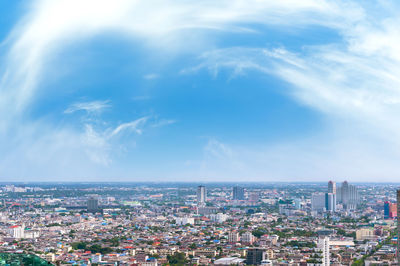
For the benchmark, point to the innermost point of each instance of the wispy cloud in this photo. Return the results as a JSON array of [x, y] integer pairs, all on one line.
[[354, 83], [51, 26], [134, 126], [89, 107]]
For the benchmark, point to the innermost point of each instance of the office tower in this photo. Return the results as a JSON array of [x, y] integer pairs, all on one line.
[[255, 256], [93, 205], [332, 187], [348, 196], [386, 209], [398, 226], [323, 244], [201, 195], [318, 201], [238, 193], [330, 202], [345, 192]]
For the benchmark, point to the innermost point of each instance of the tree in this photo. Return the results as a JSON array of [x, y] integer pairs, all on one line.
[[177, 259]]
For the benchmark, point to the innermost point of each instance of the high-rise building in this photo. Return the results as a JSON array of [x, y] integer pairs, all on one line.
[[386, 209], [238, 193], [345, 192], [348, 195], [398, 226], [318, 201], [93, 205], [332, 187], [393, 210], [330, 202], [17, 231], [255, 256], [233, 237], [201, 195], [247, 238], [389, 210], [323, 245]]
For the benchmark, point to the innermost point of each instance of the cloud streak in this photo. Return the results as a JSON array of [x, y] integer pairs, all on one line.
[[89, 107]]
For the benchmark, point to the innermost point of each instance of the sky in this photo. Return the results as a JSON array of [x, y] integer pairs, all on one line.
[[200, 91]]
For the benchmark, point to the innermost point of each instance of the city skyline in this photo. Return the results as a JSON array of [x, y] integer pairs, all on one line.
[[154, 224], [262, 91]]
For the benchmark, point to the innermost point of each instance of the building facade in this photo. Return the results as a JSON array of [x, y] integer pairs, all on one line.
[[201, 195], [238, 193]]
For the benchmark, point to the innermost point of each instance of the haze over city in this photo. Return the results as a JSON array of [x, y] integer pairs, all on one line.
[[199, 91]]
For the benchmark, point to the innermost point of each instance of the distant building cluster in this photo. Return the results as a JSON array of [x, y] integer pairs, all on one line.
[[296, 224], [346, 195]]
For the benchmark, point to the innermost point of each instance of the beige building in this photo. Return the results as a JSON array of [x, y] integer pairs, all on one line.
[[365, 233]]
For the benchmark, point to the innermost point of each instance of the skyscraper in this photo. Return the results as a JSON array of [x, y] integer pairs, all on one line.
[[201, 195], [93, 205], [332, 187], [330, 202], [345, 193], [238, 193], [348, 196], [386, 209]]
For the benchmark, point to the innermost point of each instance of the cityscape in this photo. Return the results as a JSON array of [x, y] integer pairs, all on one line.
[[201, 224], [199, 132]]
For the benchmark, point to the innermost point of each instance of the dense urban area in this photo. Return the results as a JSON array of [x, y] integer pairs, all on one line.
[[153, 224]]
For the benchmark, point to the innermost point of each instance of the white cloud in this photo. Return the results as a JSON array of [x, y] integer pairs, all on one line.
[[355, 84], [98, 144], [50, 26], [134, 126], [89, 107]]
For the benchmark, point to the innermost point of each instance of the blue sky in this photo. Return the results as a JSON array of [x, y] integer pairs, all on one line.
[[199, 91]]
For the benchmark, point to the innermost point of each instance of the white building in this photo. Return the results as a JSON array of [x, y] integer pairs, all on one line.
[[247, 238], [318, 201], [233, 237], [16, 231], [218, 218], [184, 220], [201, 195], [31, 234], [323, 245], [229, 261]]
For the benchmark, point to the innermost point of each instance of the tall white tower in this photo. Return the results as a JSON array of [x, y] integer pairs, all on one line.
[[201, 195], [323, 244]]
